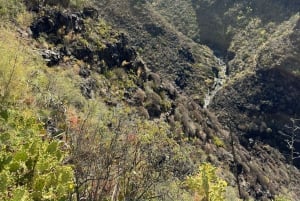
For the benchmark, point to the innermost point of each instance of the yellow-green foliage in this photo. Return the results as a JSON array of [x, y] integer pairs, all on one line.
[[120, 81], [30, 168], [25, 78], [60, 3], [78, 3], [55, 89], [218, 142], [15, 11], [206, 184], [99, 32], [282, 198], [15, 66], [31, 165], [9, 9]]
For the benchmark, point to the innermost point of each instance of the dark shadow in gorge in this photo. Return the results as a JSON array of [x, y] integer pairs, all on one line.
[[259, 106], [215, 17]]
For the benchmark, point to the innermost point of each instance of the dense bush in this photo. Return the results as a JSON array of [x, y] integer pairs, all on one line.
[[30, 168], [31, 164], [206, 184]]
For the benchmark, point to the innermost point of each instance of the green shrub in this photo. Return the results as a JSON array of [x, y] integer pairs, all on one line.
[[206, 184], [30, 168], [281, 198], [218, 142], [31, 164]]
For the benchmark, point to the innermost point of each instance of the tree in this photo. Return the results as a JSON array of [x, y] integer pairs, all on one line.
[[292, 136]]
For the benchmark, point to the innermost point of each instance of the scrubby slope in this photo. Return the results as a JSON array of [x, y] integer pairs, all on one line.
[[125, 85], [258, 42]]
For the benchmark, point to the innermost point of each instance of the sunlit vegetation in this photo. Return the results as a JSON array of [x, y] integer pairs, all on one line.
[[132, 137], [282, 198], [31, 163], [206, 184], [94, 151], [11, 9], [31, 166]]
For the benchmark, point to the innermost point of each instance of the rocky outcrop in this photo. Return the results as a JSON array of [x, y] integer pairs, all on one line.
[[55, 26], [54, 20]]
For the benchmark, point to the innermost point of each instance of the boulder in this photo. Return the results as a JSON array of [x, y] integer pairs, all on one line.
[[84, 72], [51, 57], [185, 54], [90, 12]]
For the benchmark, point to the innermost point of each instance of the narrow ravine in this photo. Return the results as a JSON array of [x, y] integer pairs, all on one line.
[[219, 80]]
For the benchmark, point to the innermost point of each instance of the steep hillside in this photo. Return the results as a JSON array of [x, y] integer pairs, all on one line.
[[165, 50], [257, 41], [128, 98]]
